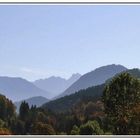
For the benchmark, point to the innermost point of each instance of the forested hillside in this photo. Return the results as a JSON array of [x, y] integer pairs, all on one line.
[[111, 108], [65, 103], [92, 93]]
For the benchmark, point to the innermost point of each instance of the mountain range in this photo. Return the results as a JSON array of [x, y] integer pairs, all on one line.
[[93, 78], [18, 89], [93, 93], [56, 85]]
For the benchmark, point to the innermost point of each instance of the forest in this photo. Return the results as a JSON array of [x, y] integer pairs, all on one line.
[[113, 109]]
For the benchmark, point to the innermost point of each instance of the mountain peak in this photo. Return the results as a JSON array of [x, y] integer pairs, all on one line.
[[75, 75], [111, 66], [93, 78], [55, 78], [55, 84]]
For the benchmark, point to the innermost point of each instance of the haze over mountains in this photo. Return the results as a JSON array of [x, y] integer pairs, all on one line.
[[93, 78], [18, 89], [56, 85]]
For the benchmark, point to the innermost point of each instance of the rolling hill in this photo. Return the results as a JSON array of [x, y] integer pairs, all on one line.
[[38, 101]]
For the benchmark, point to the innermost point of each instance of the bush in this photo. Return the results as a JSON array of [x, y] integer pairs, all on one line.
[[4, 131], [91, 128], [42, 129], [75, 130]]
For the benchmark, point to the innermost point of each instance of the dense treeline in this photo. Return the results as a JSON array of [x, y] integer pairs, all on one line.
[[114, 109], [7, 113], [65, 103]]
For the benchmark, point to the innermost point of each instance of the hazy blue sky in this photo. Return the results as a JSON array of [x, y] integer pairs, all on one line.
[[40, 41]]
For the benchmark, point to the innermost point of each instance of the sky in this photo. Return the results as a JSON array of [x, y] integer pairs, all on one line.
[[38, 41]]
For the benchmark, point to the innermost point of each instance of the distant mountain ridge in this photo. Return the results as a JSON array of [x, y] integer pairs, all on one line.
[[18, 89], [93, 78], [56, 85]]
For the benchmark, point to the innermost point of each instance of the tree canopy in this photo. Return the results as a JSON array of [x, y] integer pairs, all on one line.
[[121, 99]]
